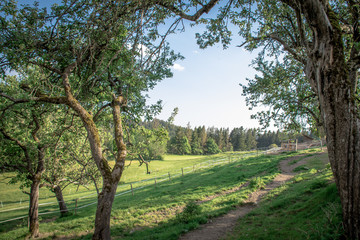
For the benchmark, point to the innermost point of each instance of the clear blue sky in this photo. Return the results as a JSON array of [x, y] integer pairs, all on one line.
[[205, 86]]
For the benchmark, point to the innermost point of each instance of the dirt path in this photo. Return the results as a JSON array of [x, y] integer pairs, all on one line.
[[217, 228]]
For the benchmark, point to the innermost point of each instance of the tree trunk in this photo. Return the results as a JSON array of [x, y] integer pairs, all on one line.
[[34, 208], [342, 128], [103, 211], [60, 199], [111, 176], [111, 179], [334, 81]]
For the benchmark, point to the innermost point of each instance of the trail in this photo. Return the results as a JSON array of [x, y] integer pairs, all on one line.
[[217, 228]]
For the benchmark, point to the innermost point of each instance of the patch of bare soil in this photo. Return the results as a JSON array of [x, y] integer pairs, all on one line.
[[218, 227]]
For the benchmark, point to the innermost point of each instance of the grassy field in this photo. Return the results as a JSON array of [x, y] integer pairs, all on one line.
[[306, 208], [167, 209]]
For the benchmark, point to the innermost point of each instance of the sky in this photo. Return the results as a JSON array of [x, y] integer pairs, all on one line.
[[205, 85]]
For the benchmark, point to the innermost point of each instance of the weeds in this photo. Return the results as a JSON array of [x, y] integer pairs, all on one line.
[[190, 212], [257, 183], [331, 226]]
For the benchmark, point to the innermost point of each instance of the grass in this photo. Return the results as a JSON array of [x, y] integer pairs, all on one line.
[[306, 208], [11, 197], [163, 211]]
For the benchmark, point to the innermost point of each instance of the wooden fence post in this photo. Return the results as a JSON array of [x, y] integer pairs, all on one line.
[[76, 203], [132, 191], [182, 171]]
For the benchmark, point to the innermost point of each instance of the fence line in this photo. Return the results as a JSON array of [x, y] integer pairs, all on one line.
[[157, 180]]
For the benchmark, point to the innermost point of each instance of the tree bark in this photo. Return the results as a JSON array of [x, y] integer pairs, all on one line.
[[103, 211], [342, 132], [334, 81], [34, 207], [110, 176], [60, 199]]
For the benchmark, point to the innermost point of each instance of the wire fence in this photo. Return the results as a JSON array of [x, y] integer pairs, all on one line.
[[131, 187]]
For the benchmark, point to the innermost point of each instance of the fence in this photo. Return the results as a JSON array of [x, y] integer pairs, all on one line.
[[131, 187]]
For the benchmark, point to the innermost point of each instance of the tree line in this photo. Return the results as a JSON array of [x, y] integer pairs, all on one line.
[[211, 140]]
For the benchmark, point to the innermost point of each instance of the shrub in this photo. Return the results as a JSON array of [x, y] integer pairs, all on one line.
[[191, 211]]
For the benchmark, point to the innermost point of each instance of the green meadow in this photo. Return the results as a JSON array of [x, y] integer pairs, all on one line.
[[305, 208]]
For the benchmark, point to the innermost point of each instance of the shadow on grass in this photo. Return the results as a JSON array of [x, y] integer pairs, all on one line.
[[169, 194]]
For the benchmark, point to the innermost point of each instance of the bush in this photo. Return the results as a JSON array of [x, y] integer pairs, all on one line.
[[191, 211]]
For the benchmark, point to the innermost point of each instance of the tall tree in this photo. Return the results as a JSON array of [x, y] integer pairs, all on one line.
[[211, 147], [203, 136], [196, 144], [323, 37], [250, 139], [180, 144], [95, 55]]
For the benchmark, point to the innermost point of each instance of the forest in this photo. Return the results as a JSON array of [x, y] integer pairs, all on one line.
[[209, 140]]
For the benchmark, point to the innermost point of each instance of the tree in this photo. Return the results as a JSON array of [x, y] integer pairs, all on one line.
[[196, 148], [96, 56], [250, 139], [23, 151], [150, 144], [285, 90], [211, 147], [180, 144], [323, 37], [237, 139], [26, 132], [202, 136], [227, 144]]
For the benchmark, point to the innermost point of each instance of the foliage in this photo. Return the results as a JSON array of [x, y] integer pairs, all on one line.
[[274, 27], [238, 139], [149, 143], [191, 211], [211, 147], [180, 143], [96, 58]]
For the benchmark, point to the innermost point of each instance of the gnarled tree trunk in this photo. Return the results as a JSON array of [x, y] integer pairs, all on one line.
[[342, 131], [34, 207], [334, 81], [103, 211], [111, 176], [59, 197]]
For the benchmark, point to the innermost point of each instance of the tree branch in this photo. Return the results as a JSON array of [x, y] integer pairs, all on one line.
[[205, 9], [100, 111], [287, 48]]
